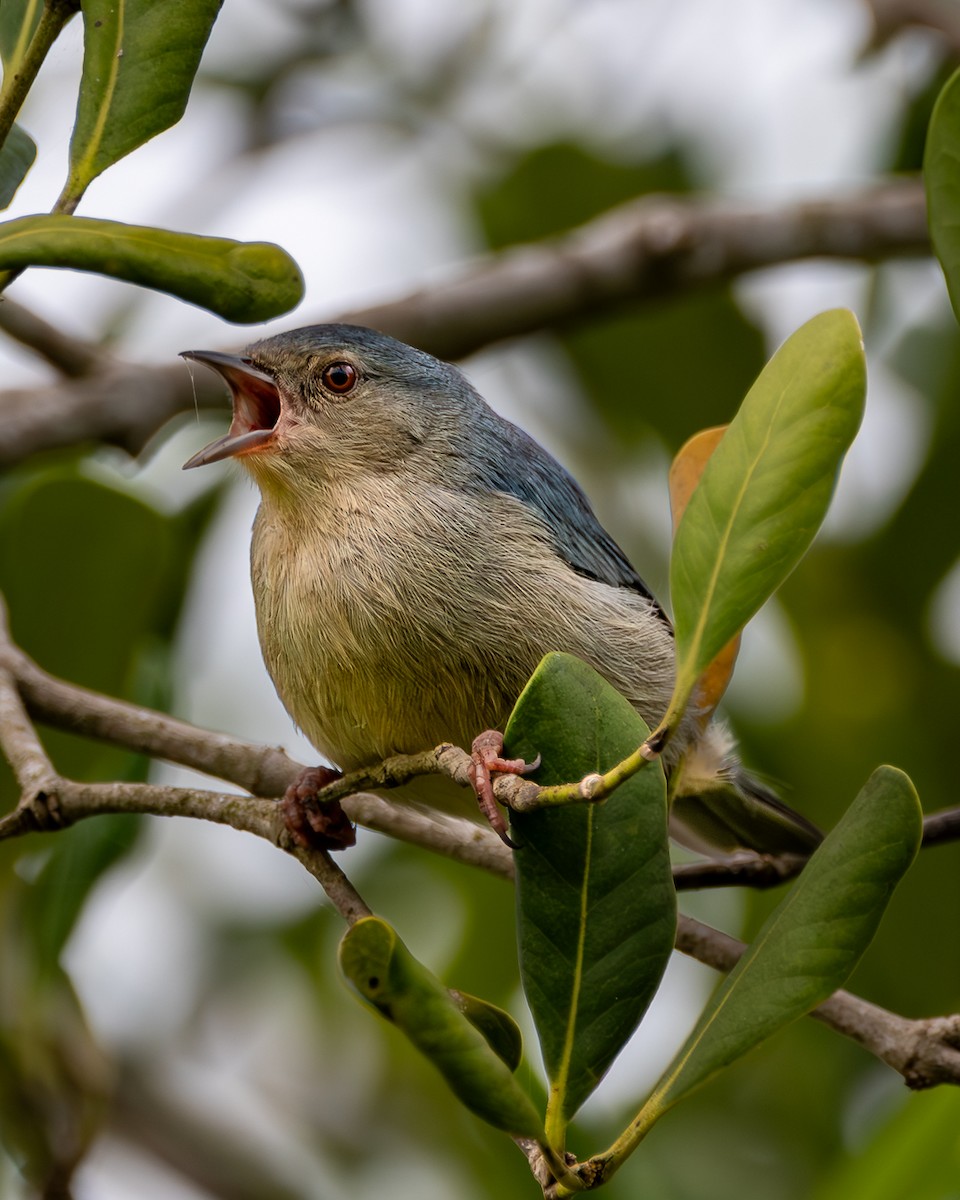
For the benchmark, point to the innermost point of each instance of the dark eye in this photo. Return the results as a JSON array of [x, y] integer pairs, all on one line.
[[340, 377]]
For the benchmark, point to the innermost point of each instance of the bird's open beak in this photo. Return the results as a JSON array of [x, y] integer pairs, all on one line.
[[256, 407]]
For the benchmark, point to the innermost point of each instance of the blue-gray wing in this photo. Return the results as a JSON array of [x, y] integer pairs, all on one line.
[[525, 470]]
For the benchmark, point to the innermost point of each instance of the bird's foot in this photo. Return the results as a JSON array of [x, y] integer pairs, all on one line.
[[311, 825], [486, 761]]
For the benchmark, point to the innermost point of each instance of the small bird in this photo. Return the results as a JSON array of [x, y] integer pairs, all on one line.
[[415, 556]]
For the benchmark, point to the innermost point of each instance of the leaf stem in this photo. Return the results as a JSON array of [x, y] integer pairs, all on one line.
[[593, 788]]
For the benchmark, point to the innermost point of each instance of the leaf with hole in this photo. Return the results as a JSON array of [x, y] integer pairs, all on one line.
[[387, 976]]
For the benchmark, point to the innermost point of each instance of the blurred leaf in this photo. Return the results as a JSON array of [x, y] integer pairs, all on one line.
[[241, 281], [765, 490], [595, 898], [499, 1029], [189, 527], [560, 185], [83, 566], [812, 941], [16, 159], [54, 1079], [390, 979], [669, 367], [941, 171], [84, 569], [139, 61], [908, 147], [915, 1154], [18, 20], [79, 858]]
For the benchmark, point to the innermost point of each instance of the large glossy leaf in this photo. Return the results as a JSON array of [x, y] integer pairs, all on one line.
[[941, 172], [765, 490], [16, 159], [810, 944], [139, 61], [595, 897], [242, 281], [388, 977]]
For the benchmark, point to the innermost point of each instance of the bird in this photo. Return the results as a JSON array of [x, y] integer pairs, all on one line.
[[414, 557]]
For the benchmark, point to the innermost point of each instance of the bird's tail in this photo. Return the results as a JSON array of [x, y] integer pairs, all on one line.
[[717, 806]]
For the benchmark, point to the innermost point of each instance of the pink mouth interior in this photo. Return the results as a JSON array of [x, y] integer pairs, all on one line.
[[256, 410], [256, 402]]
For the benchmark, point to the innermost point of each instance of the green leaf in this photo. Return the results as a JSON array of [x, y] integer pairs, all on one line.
[[391, 980], [242, 281], [595, 898], [16, 159], [139, 61], [84, 568], [915, 1154], [643, 353], [54, 901], [499, 1029], [941, 172], [765, 490], [811, 942], [18, 21]]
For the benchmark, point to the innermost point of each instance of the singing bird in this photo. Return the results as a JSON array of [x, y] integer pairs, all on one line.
[[415, 556]]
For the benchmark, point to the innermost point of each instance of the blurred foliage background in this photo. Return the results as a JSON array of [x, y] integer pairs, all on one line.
[[170, 1016]]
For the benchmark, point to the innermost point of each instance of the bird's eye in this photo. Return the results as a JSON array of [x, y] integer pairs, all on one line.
[[340, 378]]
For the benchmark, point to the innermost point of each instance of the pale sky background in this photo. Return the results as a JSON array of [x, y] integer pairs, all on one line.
[[766, 92]]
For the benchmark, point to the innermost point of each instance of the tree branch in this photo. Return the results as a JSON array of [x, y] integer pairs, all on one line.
[[267, 771], [892, 17], [652, 248], [924, 1052], [70, 355], [648, 249]]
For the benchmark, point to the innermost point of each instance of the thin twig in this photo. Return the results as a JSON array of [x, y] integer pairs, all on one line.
[[744, 869], [19, 742], [942, 826]]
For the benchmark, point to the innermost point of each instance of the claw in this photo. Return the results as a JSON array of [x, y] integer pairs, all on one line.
[[316, 826], [486, 760]]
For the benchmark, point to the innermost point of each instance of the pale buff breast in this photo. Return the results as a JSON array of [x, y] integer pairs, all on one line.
[[400, 620]]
